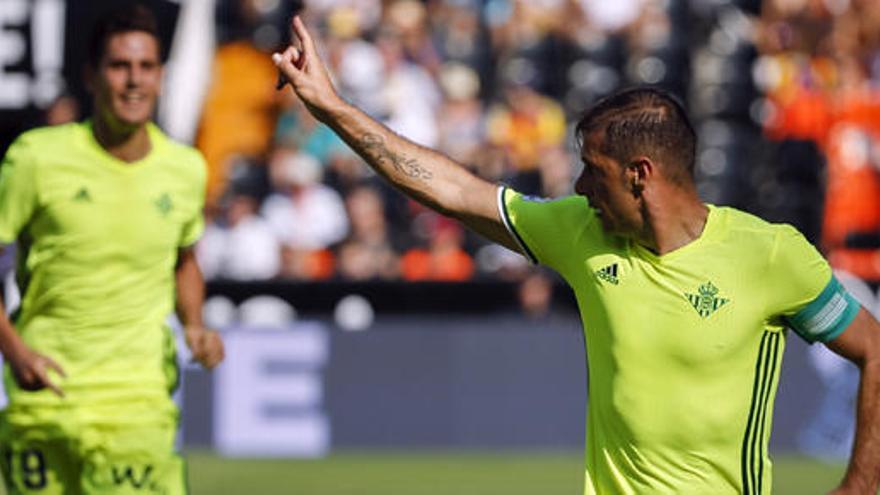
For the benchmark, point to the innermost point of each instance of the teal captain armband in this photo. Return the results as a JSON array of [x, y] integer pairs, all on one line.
[[827, 316]]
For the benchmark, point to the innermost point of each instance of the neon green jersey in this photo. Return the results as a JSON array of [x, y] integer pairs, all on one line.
[[684, 349], [98, 242]]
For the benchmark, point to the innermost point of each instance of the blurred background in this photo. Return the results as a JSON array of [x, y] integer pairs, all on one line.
[[382, 341]]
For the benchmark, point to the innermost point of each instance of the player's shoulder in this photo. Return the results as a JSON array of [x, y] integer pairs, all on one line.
[[33, 150], [570, 213], [182, 155], [752, 229], [188, 154], [61, 131], [50, 138], [738, 221], [569, 203], [169, 146]]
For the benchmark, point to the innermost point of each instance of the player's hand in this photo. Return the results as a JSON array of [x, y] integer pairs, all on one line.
[[304, 70], [206, 345], [30, 370]]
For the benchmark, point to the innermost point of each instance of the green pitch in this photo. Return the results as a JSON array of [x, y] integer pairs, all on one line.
[[420, 473]]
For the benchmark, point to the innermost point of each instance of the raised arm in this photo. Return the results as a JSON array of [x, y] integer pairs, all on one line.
[[423, 174], [860, 343]]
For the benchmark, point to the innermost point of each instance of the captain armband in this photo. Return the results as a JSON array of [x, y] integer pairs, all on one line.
[[827, 316]]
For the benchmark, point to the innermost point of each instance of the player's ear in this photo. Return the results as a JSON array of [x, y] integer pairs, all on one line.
[[645, 167], [639, 171]]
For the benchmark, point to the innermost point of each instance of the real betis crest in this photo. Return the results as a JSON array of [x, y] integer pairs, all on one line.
[[82, 195], [164, 204], [706, 300]]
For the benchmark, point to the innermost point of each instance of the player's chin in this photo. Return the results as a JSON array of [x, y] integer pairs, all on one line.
[[134, 119], [133, 116]]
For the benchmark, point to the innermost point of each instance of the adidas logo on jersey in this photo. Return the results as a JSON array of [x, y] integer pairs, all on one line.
[[706, 300], [609, 274], [82, 195]]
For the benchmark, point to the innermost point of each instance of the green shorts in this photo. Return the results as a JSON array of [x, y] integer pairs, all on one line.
[[95, 460]]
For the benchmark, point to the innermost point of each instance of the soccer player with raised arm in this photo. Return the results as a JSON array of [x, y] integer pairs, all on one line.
[[105, 213], [684, 305]]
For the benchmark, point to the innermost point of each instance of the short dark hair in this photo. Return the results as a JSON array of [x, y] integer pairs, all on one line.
[[127, 18], [644, 120]]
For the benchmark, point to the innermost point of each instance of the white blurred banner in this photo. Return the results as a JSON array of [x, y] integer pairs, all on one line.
[[269, 392]]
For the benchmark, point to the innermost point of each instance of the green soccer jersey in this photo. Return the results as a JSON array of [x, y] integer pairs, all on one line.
[[98, 241], [683, 349]]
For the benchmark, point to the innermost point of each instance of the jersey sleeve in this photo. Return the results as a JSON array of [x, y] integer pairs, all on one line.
[[546, 231], [18, 190], [194, 225], [805, 293]]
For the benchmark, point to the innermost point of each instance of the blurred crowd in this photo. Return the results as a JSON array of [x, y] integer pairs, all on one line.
[[784, 95], [820, 69], [494, 84]]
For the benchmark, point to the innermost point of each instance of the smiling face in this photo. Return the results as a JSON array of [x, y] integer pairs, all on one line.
[[609, 187], [127, 80]]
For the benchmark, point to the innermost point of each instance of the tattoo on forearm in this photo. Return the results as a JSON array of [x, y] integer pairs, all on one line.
[[374, 146]]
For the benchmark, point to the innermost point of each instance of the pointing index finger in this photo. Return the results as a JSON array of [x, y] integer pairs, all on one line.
[[303, 34], [55, 366], [55, 388], [44, 375], [47, 382]]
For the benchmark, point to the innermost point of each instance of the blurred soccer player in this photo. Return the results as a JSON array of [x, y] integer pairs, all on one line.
[[105, 213], [684, 304]]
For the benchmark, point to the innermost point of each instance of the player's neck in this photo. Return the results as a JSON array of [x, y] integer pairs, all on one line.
[[674, 222], [128, 144]]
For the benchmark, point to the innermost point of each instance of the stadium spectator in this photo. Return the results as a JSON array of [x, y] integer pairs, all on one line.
[[239, 245], [239, 113], [612, 16], [408, 19], [361, 71], [296, 128], [444, 259], [525, 125], [460, 120], [367, 253], [852, 205], [819, 69], [411, 96], [356, 15], [105, 213], [459, 35], [535, 296], [307, 216], [683, 304], [345, 172], [554, 166]]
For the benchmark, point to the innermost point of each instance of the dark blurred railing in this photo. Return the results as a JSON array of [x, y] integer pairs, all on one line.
[[390, 297]]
